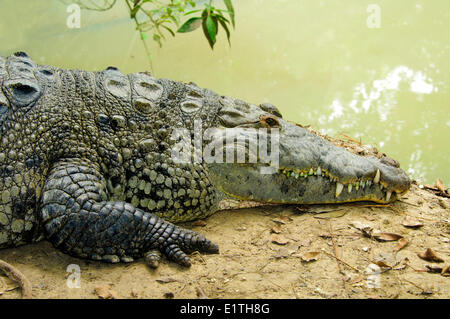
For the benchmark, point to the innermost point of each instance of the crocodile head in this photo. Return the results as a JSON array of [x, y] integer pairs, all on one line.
[[300, 167]]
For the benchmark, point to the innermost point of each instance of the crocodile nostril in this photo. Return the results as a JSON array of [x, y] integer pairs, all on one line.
[[270, 121]]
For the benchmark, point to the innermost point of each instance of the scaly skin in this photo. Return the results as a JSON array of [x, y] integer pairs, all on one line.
[[85, 161]]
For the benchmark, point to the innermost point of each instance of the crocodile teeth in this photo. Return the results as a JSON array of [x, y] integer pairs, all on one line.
[[339, 188], [349, 188], [376, 179], [388, 195]]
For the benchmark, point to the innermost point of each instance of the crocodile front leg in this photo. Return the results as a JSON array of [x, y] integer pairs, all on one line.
[[79, 219]]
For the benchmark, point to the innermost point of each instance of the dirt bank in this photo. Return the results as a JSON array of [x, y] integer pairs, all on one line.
[[265, 252]]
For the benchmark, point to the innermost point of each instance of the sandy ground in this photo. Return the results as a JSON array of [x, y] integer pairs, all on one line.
[[272, 252]]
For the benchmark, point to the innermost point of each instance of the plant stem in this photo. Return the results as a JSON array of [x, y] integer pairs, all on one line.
[[147, 51]]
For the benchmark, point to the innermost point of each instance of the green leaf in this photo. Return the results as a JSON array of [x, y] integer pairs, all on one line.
[[190, 25], [230, 8], [193, 11], [221, 10], [169, 29], [224, 25], [209, 28], [143, 36], [221, 17]]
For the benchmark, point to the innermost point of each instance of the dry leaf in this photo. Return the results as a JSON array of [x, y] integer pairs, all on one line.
[[386, 236], [382, 264], [276, 229], [310, 256], [105, 292], [279, 240], [445, 270], [440, 185], [430, 255], [165, 280], [411, 222], [402, 243]]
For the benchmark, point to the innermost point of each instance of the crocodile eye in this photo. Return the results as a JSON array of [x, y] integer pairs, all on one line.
[[270, 121], [22, 91]]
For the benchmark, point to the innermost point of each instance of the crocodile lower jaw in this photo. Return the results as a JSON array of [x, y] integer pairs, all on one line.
[[350, 186]]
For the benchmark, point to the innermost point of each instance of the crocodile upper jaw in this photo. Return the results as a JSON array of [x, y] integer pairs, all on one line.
[[308, 170]]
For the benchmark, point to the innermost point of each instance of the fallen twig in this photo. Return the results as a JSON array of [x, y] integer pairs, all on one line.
[[394, 209], [352, 139], [333, 240], [16, 275], [350, 266]]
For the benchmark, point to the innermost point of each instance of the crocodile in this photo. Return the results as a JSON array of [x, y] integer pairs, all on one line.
[[88, 162]]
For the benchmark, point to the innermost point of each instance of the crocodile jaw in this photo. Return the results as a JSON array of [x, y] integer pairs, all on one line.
[[311, 170]]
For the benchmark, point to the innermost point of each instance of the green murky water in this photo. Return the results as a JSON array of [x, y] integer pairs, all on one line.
[[318, 61]]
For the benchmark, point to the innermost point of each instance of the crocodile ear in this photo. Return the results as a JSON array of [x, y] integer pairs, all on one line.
[[22, 92]]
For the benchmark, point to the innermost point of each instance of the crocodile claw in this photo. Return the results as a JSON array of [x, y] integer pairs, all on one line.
[[181, 242]]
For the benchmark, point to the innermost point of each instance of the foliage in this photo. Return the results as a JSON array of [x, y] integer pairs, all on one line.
[[210, 19], [160, 16]]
